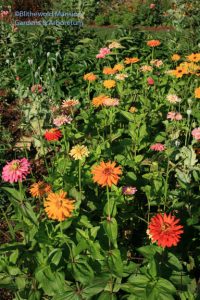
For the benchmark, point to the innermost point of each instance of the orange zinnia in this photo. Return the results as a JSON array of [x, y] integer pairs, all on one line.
[[108, 71], [165, 230], [109, 84], [131, 60], [58, 207], [90, 77], [197, 92], [39, 189], [153, 43], [194, 57], [99, 100], [175, 57], [180, 71], [118, 67], [106, 174]]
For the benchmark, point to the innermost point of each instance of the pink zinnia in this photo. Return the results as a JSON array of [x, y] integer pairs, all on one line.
[[172, 115], [36, 88], [150, 81], [196, 133], [157, 147], [129, 190], [152, 6], [103, 52], [16, 170], [60, 120]]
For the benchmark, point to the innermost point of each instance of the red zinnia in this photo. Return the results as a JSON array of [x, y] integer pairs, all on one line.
[[53, 134], [165, 230]]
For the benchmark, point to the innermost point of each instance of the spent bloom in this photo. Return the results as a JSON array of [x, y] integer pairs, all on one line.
[[79, 152], [156, 62], [152, 6], [133, 109], [37, 88], [103, 52], [129, 190], [172, 115], [58, 207], [62, 119], [165, 230], [53, 134], [16, 170], [196, 133], [157, 147], [106, 174], [172, 98], [39, 189]]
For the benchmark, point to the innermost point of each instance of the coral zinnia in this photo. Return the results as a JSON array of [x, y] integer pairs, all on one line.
[[157, 147], [90, 77], [109, 84], [39, 189], [53, 134], [131, 60], [153, 43], [197, 92], [79, 152], [165, 230], [106, 174], [16, 170], [58, 207]]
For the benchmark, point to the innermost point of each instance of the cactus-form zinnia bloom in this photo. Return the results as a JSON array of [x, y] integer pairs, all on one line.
[[58, 207], [165, 230], [153, 43], [106, 174], [16, 170], [39, 189]]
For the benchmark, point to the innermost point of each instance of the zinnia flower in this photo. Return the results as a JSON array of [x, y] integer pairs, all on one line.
[[152, 6], [115, 45], [157, 147], [150, 81], [156, 62], [16, 170], [111, 102], [79, 152], [36, 88], [106, 174], [196, 133], [172, 115], [109, 84], [131, 60], [90, 77], [180, 71], [175, 57], [39, 189], [99, 100], [58, 207], [103, 52], [165, 230], [194, 57], [197, 92], [108, 71], [53, 134], [69, 103], [132, 109], [60, 120], [153, 43], [145, 68], [173, 98], [121, 76], [129, 190], [118, 67]]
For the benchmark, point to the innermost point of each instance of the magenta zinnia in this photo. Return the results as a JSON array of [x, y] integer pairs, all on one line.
[[165, 230], [16, 170]]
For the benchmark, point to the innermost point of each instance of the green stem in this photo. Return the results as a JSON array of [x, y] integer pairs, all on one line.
[[79, 177], [22, 204], [166, 184]]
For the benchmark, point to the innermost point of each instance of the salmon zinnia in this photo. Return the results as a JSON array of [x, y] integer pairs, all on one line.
[[106, 174], [58, 207], [165, 230]]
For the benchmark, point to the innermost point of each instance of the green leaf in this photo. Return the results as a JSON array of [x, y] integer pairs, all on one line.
[[111, 229], [129, 116], [107, 296], [149, 251], [96, 286], [81, 271], [115, 262], [165, 286], [173, 261], [14, 193]]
